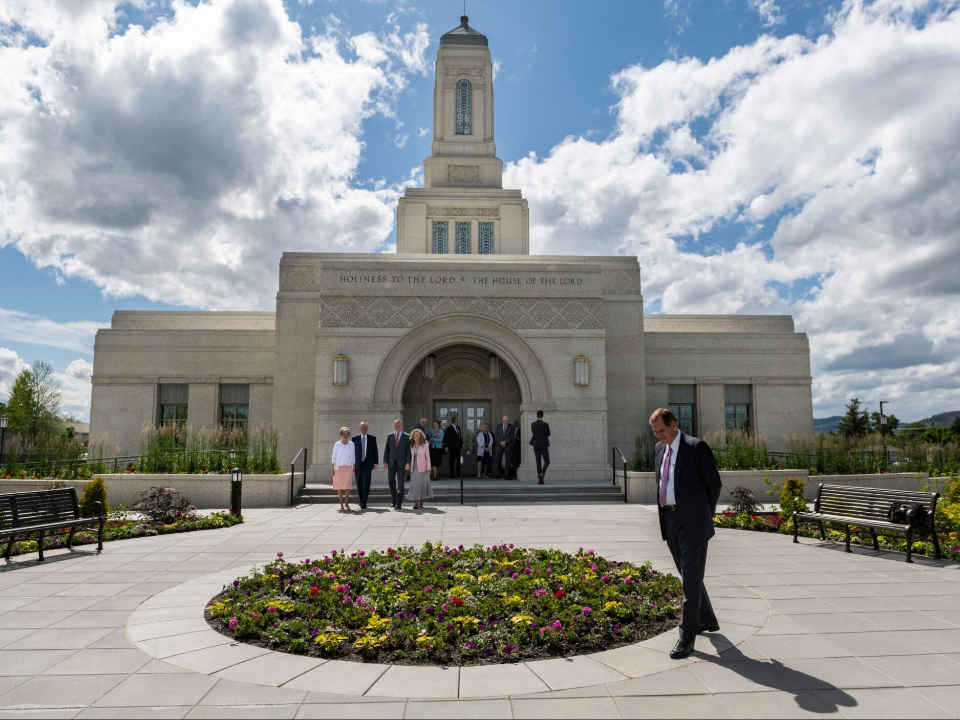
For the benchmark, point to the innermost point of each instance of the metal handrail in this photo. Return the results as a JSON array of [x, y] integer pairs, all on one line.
[[613, 464], [303, 451]]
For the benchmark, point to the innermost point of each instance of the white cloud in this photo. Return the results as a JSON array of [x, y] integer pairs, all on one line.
[[496, 69], [178, 162], [843, 146], [74, 382], [11, 365], [769, 12], [24, 327]]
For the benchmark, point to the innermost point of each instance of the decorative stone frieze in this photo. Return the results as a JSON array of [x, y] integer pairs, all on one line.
[[463, 173], [434, 212]]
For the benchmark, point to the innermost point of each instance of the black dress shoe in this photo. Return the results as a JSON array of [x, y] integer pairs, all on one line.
[[681, 650], [709, 628]]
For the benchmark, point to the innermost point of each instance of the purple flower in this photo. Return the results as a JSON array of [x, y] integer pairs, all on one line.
[[586, 611], [232, 624], [557, 625], [428, 588], [236, 583], [487, 651], [470, 645], [314, 632], [280, 554], [514, 575], [527, 571], [589, 552], [507, 650]]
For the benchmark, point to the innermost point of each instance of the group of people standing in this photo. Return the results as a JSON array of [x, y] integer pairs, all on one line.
[[417, 456]]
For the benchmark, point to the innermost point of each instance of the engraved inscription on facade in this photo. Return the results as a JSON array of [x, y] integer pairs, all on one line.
[[463, 173], [517, 313], [463, 212]]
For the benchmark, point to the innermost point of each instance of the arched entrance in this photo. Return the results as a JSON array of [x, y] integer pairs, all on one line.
[[462, 387]]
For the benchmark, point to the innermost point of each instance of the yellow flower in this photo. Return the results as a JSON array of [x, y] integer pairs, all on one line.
[[564, 578], [466, 620], [485, 578], [329, 640], [458, 591], [521, 619], [368, 642], [612, 605], [404, 596], [463, 576], [424, 640], [378, 622], [512, 600]]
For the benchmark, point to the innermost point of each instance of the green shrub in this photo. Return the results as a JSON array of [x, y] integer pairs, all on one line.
[[744, 502], [164, 505], [791, 497], [93, 492]]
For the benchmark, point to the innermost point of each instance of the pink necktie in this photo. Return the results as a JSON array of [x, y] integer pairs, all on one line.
[[665, 478]]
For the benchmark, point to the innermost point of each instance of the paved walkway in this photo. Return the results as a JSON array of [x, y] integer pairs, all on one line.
[[807, 629]]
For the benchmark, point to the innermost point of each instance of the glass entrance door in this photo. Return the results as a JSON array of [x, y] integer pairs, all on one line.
[[472, 414]]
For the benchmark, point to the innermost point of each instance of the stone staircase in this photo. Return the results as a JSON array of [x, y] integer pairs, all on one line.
[[479, 492]]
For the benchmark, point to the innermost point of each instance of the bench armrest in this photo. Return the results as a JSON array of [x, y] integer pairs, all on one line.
[[102, 515]]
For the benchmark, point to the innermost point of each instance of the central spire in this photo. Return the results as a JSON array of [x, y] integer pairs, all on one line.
[[464, 19]]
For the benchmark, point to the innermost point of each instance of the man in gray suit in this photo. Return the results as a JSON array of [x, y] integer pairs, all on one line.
[[688, 487], [396, 461], [503, 439]]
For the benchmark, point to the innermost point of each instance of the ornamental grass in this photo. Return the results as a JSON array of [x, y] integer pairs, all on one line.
[[447, 606]]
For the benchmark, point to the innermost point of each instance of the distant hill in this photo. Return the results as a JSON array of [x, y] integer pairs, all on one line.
[[943, 419], [827, 424]]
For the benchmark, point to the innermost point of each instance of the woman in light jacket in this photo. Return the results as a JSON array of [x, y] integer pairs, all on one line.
[[420, 487], [436, 447], [344, 456]]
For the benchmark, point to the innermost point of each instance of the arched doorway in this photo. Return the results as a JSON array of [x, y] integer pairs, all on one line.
[[462, 387]]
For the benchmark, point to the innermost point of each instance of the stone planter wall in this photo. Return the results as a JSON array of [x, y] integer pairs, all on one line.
[[642, 486], [206, 492]]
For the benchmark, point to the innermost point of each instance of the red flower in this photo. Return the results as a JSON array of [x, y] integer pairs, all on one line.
[[560, 594], [314, 591], [456, 601]]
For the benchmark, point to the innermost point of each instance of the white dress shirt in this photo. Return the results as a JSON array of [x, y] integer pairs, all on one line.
[[671, 482], [363, 447], [343, 455]]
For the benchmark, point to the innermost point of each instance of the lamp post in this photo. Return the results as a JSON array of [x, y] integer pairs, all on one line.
[[883, 431], [236, 492], [3, 436]]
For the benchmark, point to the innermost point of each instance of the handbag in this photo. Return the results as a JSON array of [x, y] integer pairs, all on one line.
[[907, 513]]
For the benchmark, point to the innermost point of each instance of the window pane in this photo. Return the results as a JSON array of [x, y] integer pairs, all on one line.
[[181, 412], [731, 424], [742, 411], [686, 426], [470, 424], [730, 411], [686, 411], [168, 412], [243, 412], [470, 412], [479, 412]]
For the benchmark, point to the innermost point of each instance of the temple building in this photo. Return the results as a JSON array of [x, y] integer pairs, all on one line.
[[461, 321]]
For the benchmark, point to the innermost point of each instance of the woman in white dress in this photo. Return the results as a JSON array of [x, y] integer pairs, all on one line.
[[420, 487], [344, 457]]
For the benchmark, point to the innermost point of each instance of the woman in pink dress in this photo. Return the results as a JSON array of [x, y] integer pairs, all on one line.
[[344, 456]]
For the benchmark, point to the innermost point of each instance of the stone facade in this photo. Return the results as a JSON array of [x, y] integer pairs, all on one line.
[[387, 313]]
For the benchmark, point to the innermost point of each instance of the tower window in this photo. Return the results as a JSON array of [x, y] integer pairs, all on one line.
[[464, 108], [463, 238], [486, 238], [440, 237]]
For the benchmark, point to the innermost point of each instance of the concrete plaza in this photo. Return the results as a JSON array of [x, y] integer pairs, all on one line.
[[808, 630]]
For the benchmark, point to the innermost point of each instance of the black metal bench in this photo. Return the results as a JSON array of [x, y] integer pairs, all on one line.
[[870, 508], [43, 511]]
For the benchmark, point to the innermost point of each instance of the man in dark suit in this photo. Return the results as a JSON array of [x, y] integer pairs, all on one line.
[[396, 461], [503, 446], [688, 488], [422, 426], [540, 440], [515, 461], [365, 446], [453, 442]]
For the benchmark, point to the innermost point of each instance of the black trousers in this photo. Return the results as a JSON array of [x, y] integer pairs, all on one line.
[[485, 462], [691, 561], [454, 462], [364, 477], [543, 460], [499, 454], [396, 476]]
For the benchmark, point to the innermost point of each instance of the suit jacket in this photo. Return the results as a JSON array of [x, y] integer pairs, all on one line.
[[423, 458], [373, 457], [452, 439], [500, 435], [396, 455], [696, 486], [539, 435], [421, 428]]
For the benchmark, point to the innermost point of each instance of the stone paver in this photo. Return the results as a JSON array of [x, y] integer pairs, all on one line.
[[808, 630]]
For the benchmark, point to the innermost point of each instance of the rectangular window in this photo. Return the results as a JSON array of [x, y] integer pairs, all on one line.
[[736, 407], [682, 402], [440, 237], [486, 238], [173, 404], [463, 238], [234, 405]]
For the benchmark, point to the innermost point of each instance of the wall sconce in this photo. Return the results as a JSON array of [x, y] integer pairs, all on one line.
[[495, 370], [581, 371], [340, 364], [430, 366]]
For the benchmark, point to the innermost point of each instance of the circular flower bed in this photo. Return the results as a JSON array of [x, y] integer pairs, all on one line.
[[442, 605]]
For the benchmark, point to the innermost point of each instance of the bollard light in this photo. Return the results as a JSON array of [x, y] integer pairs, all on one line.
[[581, 371], [236, 492], [340, 364]]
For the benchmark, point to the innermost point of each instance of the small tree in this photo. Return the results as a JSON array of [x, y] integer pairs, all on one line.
[[893, 422], [955, 426], [34, 404], [93, 492], [164, 505], [854, 424], [791, 497]]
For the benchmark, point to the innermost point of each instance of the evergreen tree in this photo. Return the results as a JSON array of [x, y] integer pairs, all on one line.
[[34, 404], [955, 426], [854, 423]]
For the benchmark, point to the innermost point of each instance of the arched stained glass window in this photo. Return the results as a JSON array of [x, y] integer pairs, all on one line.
[[463, 238], [440, 237], [464, 108], [486, 238]]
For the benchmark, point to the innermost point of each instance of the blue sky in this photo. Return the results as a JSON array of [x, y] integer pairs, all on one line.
[[556, 63]]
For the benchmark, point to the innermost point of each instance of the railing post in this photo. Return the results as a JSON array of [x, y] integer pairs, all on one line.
[[306, 452], [625, 498], [613, 463], [461, 477], [292, 466]]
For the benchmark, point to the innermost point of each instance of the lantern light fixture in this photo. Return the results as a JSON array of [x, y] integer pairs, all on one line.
[[495, 368], [340, 366], [430, 366], [581, 371]]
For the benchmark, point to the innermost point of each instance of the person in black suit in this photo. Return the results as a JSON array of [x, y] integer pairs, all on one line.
[[688, 488], [503, 437], [453, 442], [396, 461], [515, 462], [540, 440], [367, 459]]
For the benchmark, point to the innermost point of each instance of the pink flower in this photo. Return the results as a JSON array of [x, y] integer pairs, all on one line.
[[606, 578], [557, 625], [271, 609], [279, 554], [428, 588], [586, 611], [232, 624]]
